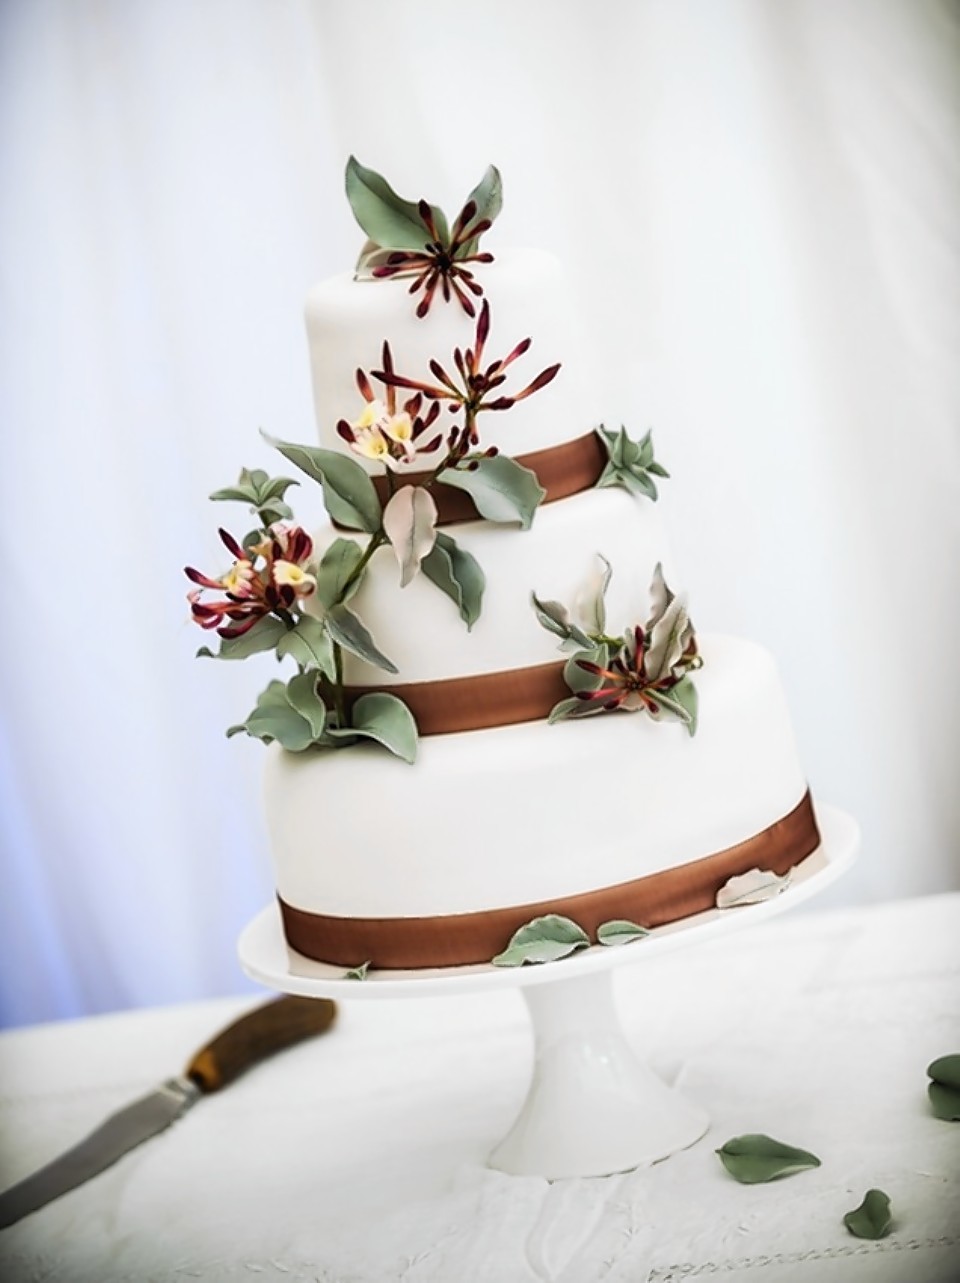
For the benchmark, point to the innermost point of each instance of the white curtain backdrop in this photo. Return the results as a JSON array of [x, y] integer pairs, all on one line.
[[758, 203]]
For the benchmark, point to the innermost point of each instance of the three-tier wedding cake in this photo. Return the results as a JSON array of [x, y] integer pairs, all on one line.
[[498, 716]]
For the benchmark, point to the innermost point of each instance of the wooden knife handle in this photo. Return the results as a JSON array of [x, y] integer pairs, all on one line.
[[269, 1028]]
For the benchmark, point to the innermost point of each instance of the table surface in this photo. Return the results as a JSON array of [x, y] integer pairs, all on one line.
[[359, 1157]]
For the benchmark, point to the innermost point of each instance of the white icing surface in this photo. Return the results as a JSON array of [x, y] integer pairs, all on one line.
[[348, 320], [526, 813], [420, 628]]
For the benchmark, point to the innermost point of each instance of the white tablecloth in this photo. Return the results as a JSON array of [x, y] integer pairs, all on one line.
[[359, 1157]]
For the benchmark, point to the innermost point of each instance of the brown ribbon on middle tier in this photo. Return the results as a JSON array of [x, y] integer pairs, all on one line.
[[562, 470], [479, 701]]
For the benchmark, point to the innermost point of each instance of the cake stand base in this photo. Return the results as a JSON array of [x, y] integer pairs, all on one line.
[[593, 1108]]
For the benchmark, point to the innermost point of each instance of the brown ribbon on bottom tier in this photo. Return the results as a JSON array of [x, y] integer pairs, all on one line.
[[457, 939]]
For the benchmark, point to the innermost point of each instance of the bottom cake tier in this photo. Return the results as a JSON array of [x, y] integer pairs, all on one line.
[[611, 817]]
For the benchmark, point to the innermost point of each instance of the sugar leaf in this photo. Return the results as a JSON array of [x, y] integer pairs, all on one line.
[[752, 887], [543, 939], [872, 1218], [754, 1159], [620, 931]]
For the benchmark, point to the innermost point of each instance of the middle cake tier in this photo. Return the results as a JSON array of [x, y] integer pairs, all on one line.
[[420, 630]]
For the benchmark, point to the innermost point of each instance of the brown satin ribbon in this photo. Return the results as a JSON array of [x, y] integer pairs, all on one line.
[[562, 470], [462, 938], [479, 701]]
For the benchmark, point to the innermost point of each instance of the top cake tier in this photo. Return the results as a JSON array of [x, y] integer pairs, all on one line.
[[348, 321]]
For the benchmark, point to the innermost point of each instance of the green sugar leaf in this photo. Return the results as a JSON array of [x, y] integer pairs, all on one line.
[[309, 644], [543, 939], [620, 931], [457, 573], [336, 566], [384, 718], [754, 1159], [304, 699], [945, 1102], [274, 718], [358, 973], [488, 198], [946, 1070], [872, 1218], [352, 634], [387, 218], [502, 489], [348, 492], [264, 635]]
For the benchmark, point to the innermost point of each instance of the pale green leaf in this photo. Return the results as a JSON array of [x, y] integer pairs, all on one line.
[[872, 1218], [265, 634], [410, 523], [591, 600], [502, 489], [348, 492], [336, 566], [543, 940], [358, 973], [457, 573], [304, 698], [753, 887], [275, 719], [620, 931], [755, 1159], [555, 618], [385, 719], [488, 198], [351, 633], [309, 644], [387, 218]]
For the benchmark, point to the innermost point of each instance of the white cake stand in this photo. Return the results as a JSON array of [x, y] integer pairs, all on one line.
[[592, 1108]]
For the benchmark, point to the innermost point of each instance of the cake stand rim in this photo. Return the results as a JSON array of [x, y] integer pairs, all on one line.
[[266, 957]]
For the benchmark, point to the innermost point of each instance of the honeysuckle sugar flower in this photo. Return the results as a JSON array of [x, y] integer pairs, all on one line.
[[387, 433], [441, 261], [269, 577], [477, 389], [626, 683]]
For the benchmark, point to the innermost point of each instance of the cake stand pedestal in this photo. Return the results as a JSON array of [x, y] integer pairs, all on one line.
[[593, 1108]]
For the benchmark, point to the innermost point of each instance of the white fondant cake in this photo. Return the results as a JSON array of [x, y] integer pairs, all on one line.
[[500, 711]]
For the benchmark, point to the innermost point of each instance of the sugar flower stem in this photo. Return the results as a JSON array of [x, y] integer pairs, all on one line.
[[338, 700]]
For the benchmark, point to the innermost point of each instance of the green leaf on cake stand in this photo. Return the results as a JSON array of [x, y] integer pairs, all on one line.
[[310, 645], [502, 489], [620, 931], [755, 1159], [337, 565], [390, 221], [544, 939], [348, 492], [350, 632], [630, 463], [264, 635], [381, 717], [944, 1089], [872, 1218], [753, 887], [358, 973], [275, 718], [457, 573], [410, 523]]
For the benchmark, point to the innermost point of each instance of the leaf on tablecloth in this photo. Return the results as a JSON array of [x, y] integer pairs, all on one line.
[[872, 1218], [754, 1159], [944, 1090]]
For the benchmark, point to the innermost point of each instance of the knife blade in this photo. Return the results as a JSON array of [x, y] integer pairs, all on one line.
[[269, 1028]]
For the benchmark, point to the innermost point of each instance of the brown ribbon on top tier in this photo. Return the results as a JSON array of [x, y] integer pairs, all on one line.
[[479, 701], [461, 938], [562, 470]]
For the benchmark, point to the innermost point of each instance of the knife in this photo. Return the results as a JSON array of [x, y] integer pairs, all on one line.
[[269, 1028]]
